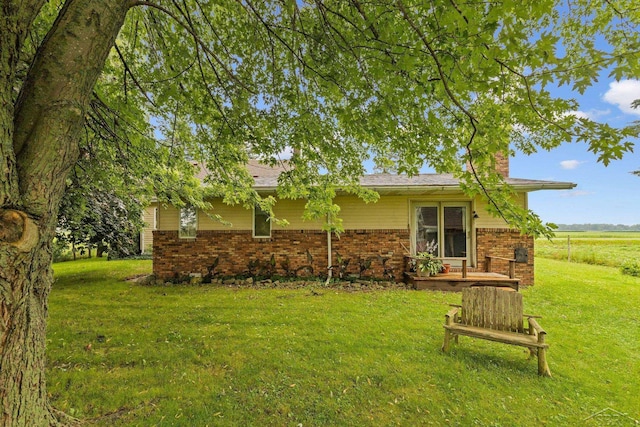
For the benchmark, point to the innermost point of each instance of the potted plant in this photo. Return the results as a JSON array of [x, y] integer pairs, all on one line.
[[427, 264]]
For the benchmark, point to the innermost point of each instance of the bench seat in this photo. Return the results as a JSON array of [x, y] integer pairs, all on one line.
[[515, 338]]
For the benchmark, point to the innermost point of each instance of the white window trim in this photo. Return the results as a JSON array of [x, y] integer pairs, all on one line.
[[155, 218], [253, 225]]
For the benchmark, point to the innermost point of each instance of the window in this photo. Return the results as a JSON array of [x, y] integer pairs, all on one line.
[[444, 224], [261, 223], [188, 222], [155, 218]]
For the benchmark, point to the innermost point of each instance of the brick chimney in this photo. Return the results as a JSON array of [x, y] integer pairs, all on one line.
[[502, 164]]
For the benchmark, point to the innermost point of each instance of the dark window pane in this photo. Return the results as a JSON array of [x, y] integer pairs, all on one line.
[[261, 223]]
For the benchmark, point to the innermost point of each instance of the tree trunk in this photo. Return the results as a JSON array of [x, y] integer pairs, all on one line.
[[24, 312], [100, 250], [37, 148]]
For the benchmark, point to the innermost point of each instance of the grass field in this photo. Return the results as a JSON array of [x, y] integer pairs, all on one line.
[[124, 354], [597, 248]]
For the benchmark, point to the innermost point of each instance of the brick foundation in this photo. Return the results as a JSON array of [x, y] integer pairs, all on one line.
[[238, 252], [502, 243]]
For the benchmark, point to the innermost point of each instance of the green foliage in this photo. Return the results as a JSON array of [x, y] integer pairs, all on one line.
[[340, 270], [61, 251], [426, 262], [99, 218], [631, 268], [342, 82], [198, 355]]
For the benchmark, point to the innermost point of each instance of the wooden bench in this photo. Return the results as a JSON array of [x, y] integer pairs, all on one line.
[[495, 314]]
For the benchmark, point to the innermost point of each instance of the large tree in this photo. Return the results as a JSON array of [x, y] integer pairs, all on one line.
[[404, 83]]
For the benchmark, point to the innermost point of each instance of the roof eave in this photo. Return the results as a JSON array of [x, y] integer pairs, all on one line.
[[546, 186], [430, 189]]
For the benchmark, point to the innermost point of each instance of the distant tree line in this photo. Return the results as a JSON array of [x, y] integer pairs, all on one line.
[[598, 227]]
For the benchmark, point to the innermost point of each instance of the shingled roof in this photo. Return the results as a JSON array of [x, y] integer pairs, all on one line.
[[266, 179], [391, 183]]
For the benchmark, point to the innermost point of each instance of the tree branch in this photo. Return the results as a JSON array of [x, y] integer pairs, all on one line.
[[133, 77], [196, 38], [287, 46], [433, 55], [530, 99]]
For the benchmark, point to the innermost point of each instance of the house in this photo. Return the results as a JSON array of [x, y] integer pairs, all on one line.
[[411, 211]]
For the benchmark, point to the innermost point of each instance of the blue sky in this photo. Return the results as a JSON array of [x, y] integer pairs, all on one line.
[[603, 194]]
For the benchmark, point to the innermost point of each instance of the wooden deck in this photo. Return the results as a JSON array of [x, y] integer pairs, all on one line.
[[455, 282], [462, 277]]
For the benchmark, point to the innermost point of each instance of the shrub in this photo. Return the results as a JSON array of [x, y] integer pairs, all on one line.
[[631, 268], [61, 251]]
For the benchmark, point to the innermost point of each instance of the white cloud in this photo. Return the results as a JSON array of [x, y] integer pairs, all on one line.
[[592, 114], [579, 114], [570, 164], [575, 193], [285, 154], [622, 94]]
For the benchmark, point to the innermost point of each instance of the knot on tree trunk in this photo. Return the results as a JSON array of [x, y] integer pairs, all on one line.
[[18, 230]]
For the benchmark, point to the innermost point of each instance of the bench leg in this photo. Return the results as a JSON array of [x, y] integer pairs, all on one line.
[[447, 339], [543, 367]]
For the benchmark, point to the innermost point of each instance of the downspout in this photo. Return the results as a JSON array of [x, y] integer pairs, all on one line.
[[329, 264]]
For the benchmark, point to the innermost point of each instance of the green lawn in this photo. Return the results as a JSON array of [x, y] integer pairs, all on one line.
[[592, 247], [202, 355]]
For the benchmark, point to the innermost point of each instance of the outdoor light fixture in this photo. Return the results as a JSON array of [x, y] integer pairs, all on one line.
[[475, 215]]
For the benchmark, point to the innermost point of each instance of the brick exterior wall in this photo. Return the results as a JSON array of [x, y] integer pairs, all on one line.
[[502, 243], [236, 249]]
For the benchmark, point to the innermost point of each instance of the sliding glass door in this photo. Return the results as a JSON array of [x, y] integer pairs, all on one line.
[[443, 225], [427, 226], [454, 237]]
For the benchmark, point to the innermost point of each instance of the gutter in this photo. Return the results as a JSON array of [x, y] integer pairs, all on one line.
[[549, 186]]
